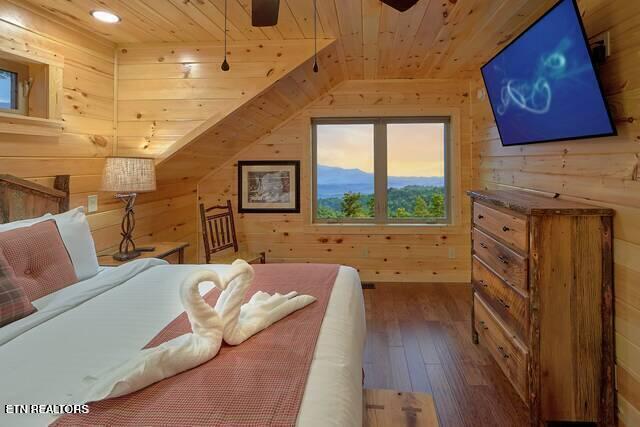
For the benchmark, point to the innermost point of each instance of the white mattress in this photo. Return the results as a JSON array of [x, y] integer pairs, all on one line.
[[47, 363]]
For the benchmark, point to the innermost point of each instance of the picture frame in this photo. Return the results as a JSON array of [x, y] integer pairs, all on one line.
[[269, 186]]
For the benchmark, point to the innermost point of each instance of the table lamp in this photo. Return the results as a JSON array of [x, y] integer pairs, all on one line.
[[128, 176]]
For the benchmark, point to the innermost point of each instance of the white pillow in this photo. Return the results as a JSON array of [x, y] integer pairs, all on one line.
[[76, 235], [23, 223]]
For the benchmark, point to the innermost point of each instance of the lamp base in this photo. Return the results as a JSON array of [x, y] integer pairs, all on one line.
[[126, 256], [127, 250]]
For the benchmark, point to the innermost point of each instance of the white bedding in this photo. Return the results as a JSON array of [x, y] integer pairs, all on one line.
[[67, 298], [110, 319]]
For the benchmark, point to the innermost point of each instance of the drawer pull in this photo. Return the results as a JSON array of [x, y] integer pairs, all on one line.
[[502, 303], [483, 245], [502, 352], [504, 259], [480, 216], [505, 229]]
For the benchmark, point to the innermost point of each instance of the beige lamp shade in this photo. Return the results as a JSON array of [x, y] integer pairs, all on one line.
[[129, 175]]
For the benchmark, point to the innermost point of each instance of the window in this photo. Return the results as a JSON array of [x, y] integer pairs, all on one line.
[[8, 90], [381, 170], [31, 91]]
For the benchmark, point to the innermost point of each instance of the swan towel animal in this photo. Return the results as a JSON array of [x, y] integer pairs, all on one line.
[[229, 320], [242, 321], [171, 357]]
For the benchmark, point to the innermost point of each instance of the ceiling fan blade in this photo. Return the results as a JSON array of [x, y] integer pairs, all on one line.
[[401, 5], [264, 13]]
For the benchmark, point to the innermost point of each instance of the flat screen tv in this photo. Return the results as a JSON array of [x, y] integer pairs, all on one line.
[[543, 86]]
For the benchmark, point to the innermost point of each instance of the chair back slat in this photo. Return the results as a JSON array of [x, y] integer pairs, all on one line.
[[218, 229], [225, 235], [212, 236], [215, 224]]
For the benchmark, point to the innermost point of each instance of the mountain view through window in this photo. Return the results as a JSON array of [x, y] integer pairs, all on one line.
[[404, 161]]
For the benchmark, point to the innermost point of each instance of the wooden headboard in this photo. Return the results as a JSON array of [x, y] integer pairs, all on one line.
[[22, 199]]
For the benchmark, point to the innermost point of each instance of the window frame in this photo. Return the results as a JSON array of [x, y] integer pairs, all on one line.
[[380, 158]]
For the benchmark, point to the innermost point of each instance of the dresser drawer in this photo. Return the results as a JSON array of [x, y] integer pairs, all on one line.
[[510, 354], [509, 265], [511, 228], [509, 303]]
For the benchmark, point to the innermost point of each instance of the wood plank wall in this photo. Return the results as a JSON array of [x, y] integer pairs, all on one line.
[[598, 171], [89, 131], [399, 254], [167, 90], [243, 122], [132, 100]]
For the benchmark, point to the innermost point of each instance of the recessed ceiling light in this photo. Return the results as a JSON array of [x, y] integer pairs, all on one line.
[[104, 16]]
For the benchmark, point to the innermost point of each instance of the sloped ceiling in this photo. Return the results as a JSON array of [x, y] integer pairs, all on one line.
[[435, 38], [170, 93], [253, 119]]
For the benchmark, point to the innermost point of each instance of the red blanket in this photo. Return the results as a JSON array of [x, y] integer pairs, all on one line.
[[258, 383]]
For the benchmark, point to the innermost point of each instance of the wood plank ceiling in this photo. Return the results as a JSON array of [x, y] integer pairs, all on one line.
[[435, 38]]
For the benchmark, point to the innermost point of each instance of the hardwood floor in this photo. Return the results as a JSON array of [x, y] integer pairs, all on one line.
[[419, 339]]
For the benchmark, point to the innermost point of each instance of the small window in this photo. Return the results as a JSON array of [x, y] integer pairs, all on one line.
[[381, 170], [8, 90], [32, 88]]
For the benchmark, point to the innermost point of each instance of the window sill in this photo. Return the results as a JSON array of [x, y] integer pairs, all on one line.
[[17, 124], [408, 228]]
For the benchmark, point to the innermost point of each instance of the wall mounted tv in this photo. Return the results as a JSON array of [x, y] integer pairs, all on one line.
[[543, 86]]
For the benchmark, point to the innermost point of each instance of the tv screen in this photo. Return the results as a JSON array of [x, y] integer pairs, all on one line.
[[543, 85]]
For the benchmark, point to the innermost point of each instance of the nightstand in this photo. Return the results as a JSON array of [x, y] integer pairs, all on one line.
[[162, 250]]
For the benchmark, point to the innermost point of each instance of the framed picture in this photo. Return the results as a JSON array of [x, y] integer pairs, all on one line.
[[269, 186]]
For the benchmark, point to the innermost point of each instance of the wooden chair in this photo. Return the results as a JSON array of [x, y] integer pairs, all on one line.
[[219, 234]]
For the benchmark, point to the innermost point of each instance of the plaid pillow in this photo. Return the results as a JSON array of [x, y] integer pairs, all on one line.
[[14, 303], [38, 258]]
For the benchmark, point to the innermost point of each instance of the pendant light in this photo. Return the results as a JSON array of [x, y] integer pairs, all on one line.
[[225, 64], [315, 36]]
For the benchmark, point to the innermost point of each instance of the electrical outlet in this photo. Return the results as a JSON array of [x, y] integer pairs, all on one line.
[[92, 203], [452, 253]]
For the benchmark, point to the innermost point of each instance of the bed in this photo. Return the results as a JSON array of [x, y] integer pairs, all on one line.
[[85, 328]]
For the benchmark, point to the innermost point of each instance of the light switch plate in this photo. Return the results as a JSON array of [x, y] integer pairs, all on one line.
[[92, 203], [452, 253]]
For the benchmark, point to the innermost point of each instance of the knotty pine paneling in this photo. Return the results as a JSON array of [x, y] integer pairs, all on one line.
[[599, 171], [175, 103], [390, 254], [447, 39], [88, 136], [166, 91], [243, 121]]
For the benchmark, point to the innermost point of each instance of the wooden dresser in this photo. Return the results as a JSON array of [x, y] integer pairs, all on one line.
[[543, 301]]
